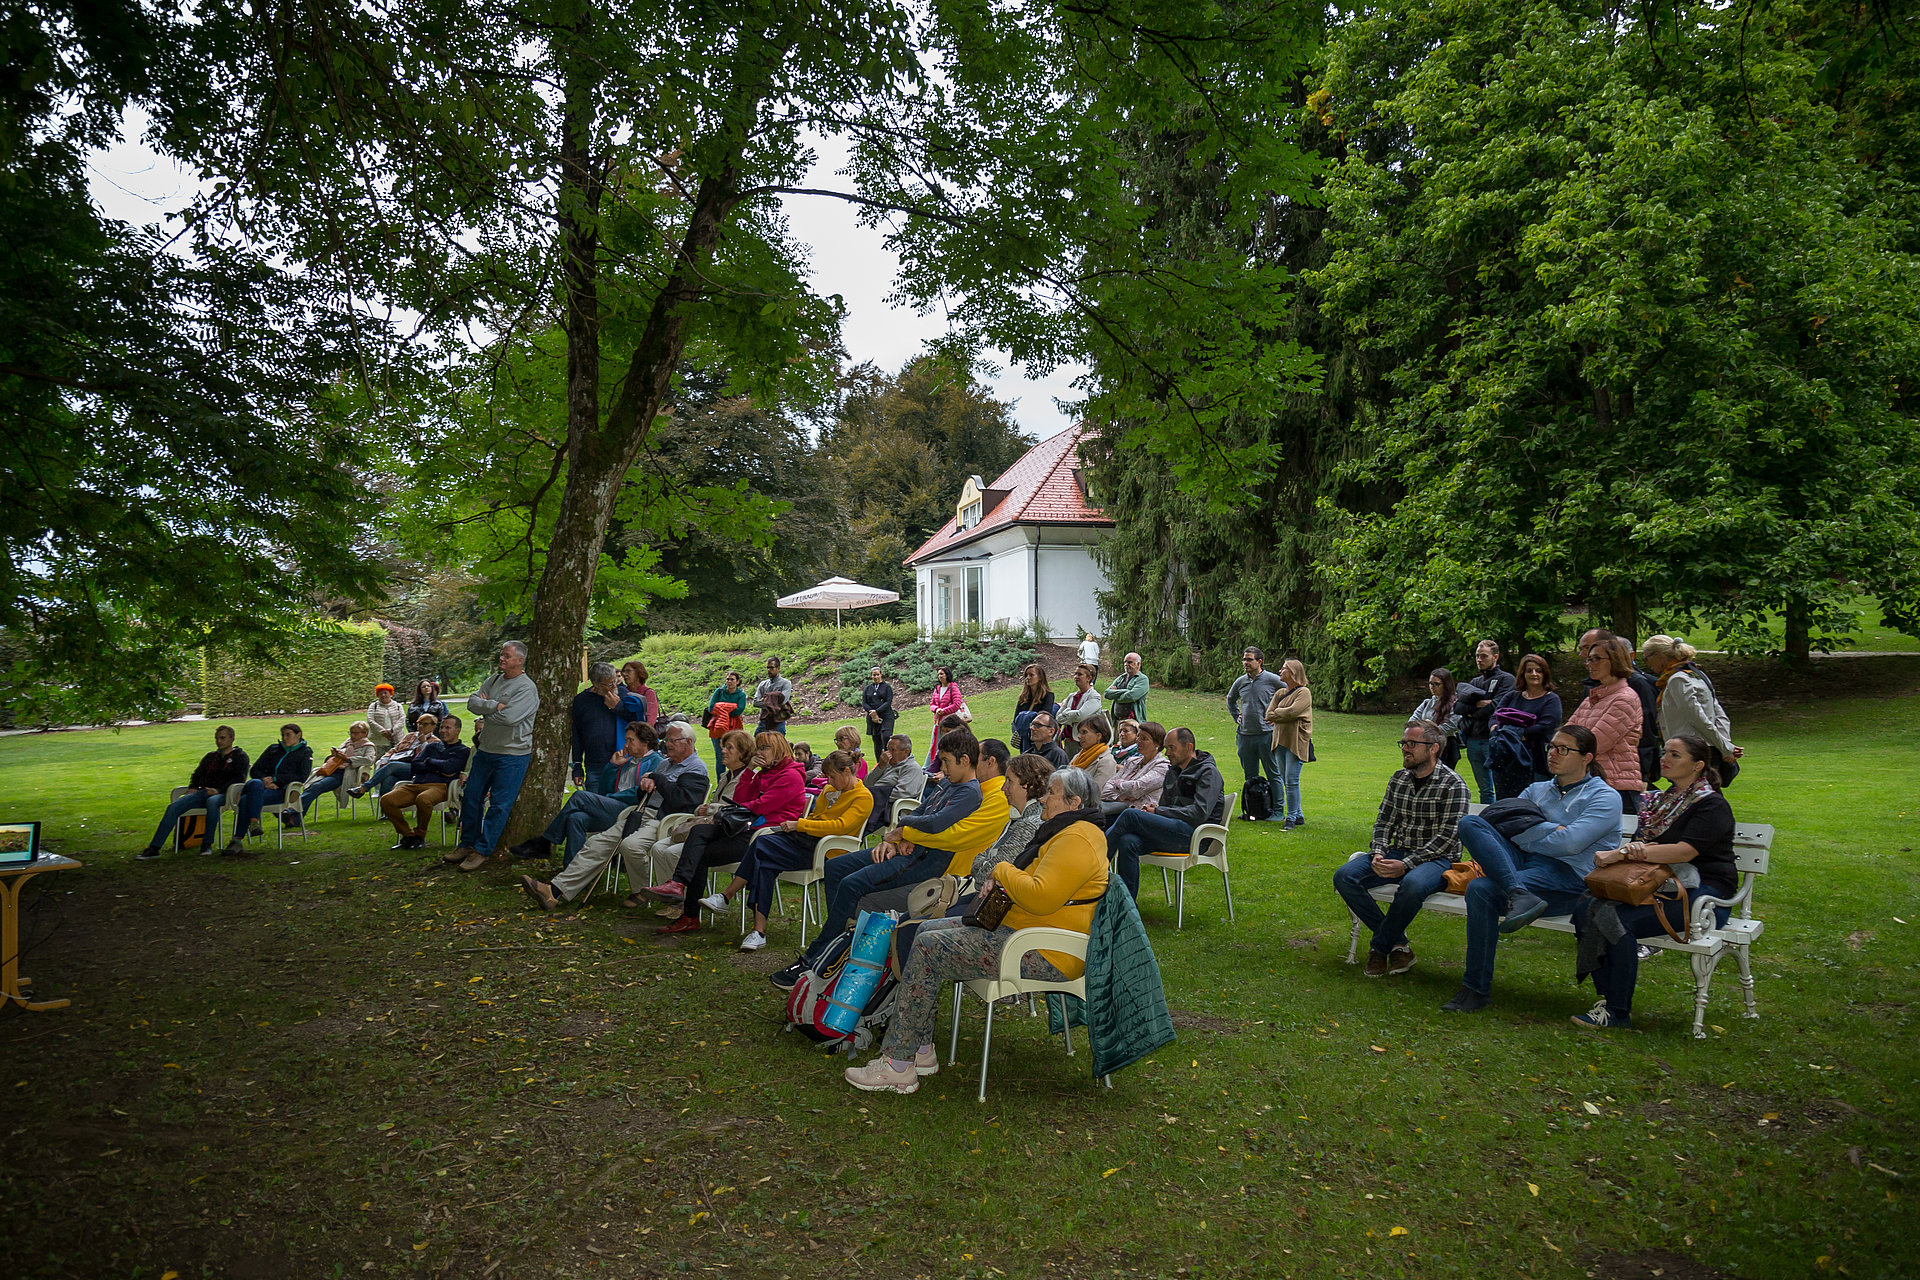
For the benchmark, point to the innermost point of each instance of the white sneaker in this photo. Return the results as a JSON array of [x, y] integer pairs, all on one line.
[[926, 1061], [753, 941], [879, 1076], [714, 902]]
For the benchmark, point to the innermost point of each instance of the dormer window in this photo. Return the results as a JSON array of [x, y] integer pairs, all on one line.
[[970, 514]]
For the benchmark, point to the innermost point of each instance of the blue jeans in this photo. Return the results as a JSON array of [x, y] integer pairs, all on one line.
[[1509, 869], [1477, 751], [493, 784], [387, 775], [319, 787], [767, 857], [1290, 769], [597, 777], [211, 802], [1256, 754], [1619, 970], [584, 814], [852, 876], [1135, 832], [1389, 928], [254, 797]]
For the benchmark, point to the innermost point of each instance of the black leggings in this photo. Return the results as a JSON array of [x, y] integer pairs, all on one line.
[[705, 848]]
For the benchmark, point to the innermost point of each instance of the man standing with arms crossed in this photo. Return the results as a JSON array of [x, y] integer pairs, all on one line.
[[503, 748]]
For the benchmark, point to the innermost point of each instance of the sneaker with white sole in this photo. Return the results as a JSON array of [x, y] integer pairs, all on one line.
[[879, 1076], [1599, 1019], [714, 902], [753, 941], [926, 1061]]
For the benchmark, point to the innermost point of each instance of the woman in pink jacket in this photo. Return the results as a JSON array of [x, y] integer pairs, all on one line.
[[1612, 712], [774, 790], [947, 701]]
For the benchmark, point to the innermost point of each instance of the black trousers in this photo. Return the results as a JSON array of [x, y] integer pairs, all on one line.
[[705, 848]]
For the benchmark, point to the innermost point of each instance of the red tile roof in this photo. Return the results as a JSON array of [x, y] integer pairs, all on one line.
[[1041, 490]]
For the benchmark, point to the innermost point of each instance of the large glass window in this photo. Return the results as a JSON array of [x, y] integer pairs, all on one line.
[[976, 594]]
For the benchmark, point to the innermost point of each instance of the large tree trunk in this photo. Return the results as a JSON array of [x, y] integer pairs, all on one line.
[[1799, 639], [1626, 617]]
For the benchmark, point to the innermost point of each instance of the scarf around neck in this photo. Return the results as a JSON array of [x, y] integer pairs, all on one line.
[[1666, 807], [1053, 827], [1089, 755]]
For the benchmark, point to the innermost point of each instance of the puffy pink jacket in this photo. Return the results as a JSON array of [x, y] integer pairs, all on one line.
[[1613, 713], [777, 795]]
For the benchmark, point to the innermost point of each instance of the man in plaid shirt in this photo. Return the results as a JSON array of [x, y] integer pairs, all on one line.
[[1415, 839]]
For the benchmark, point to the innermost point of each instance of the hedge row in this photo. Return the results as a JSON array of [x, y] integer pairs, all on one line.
[[328, 668], [409, 658]]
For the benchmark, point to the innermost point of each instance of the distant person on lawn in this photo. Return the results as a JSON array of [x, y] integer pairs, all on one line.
[[876, 704], [352, 760], [593, 809], [1126, 697], [436, 763], [1192, 795], [1090, 651], [1475, 701], [1247, 701], [503, 749], [726, 709], [774, 683], [281, 765], [387, 716], [219, 769], [426, 702], [1416, 837], [597, 726]]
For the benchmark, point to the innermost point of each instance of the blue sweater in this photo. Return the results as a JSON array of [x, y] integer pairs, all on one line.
[[1581, 821], [950, 803]]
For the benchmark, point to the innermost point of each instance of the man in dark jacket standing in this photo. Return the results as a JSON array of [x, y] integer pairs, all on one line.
[[280, 766], [1194, 794], [1475, 701], [597, 725], [219, 769]]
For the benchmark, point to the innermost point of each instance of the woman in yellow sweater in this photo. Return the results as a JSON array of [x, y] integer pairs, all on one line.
[[841, 809], [1054, 883]]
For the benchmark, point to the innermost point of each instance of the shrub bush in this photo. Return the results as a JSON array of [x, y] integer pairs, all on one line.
[[409, 658], [326, 668]]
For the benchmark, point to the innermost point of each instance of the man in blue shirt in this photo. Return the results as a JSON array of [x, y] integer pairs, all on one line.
[[1541, 869]]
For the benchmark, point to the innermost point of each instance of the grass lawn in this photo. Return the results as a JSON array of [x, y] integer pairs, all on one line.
[[1867, 633], [340, 1061]]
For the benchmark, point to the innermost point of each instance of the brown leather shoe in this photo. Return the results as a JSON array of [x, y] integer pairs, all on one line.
[[1401, 961], [1376, 965], [458, 854], [542, 894], [474, 861]]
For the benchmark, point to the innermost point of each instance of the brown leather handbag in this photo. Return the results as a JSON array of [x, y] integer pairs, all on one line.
[[1458, 876], [1637, 884]]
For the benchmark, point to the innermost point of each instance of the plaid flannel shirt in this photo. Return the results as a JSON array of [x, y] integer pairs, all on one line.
[[1423, 820]]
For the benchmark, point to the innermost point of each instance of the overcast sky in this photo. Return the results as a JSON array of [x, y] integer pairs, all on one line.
[[135, 185]]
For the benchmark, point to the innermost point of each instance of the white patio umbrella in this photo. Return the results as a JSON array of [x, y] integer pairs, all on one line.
[[837, 594]]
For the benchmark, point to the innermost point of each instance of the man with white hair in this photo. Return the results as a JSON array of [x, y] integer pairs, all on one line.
[[678, 786], [503, 748], [1126, 697]]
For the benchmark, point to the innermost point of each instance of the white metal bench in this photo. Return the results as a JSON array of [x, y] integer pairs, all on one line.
[[1706, 944]]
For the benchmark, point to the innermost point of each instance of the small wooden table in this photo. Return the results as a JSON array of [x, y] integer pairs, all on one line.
[[12, 881]]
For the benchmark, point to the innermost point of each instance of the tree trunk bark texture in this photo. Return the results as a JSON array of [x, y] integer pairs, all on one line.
[[1798, 642]]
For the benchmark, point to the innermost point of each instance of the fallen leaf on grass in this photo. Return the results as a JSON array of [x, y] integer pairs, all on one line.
[[1376, 1048], [1591, 1109], [1550, 1244], [1533, 1188], [1109, 1173], [417, 1248], [1397, 1231]]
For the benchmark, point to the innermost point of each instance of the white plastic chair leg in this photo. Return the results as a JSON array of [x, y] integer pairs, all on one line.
[[986, 1052], [953, 1049], [1066, 1027], [1227, 880], [1353, 941], [1180, 913], [1165, 886]]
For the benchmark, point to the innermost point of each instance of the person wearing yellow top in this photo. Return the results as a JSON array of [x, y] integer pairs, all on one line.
[[1064, 876], [841, 809], [974, 834]]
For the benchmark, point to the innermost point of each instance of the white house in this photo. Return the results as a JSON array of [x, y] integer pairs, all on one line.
[[1018, 549]]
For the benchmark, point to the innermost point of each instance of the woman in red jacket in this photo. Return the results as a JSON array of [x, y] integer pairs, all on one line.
[[773, 791], [1612, 711]]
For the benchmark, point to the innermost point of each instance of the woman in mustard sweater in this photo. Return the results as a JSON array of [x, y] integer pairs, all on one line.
[[1055, 882], [841, 809]]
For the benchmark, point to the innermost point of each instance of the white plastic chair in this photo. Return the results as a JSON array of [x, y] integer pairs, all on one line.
[[1197, 855], [1009, 983], [823, 849], [670, 826], [289, 800], [210, 841], [449, 806]]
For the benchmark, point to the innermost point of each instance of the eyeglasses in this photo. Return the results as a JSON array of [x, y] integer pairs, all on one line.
[[1416, 742], [1594, 657], [1555, 749]]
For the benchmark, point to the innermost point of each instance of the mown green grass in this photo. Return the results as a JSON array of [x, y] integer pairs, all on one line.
[[313, 1061]]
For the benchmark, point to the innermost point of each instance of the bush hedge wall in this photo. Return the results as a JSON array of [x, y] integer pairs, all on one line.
[[328, 668], [409, 658]]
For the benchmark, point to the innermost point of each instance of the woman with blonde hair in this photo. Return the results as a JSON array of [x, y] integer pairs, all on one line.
[[1684, 701], [1291, 715]]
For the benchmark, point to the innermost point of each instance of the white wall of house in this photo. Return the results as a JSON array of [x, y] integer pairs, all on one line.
[[1021, 572]]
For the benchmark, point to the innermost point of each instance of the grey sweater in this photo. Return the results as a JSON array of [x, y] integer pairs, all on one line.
[[1247, 701], [509, 707]]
